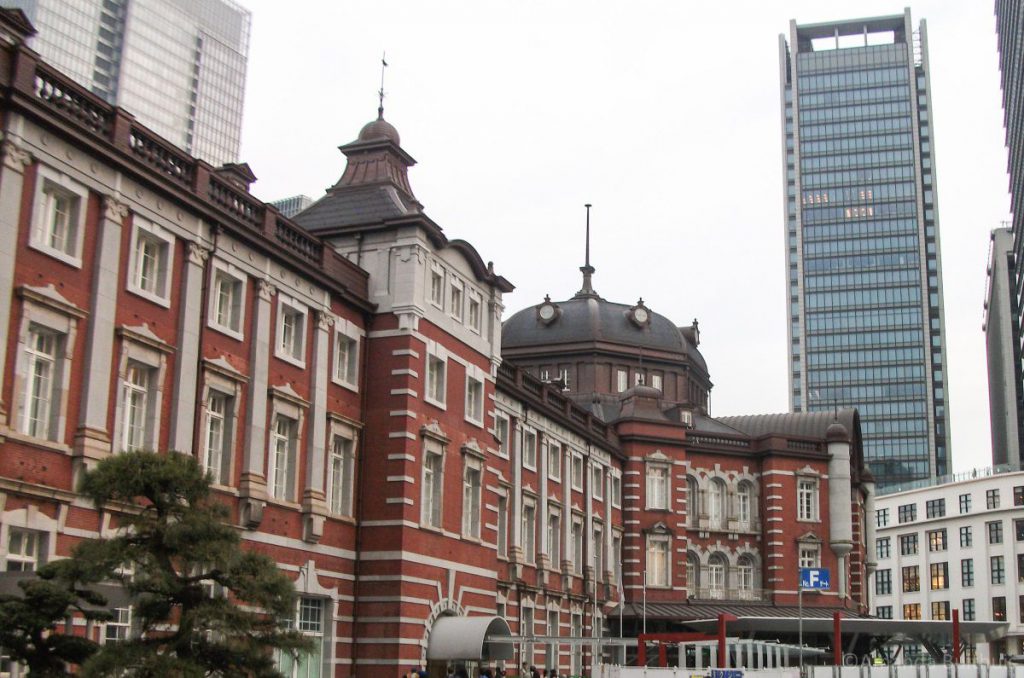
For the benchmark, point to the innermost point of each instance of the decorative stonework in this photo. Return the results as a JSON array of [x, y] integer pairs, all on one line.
[[197, 254], [14, 156], [266, 289]]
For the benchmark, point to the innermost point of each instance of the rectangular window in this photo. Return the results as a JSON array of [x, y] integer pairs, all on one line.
[[577, 472], [617, 558], [616, 490], [939, 575], [137, 426], [553, 656], [907, 513], [554, 540], [597, 482], [911, 579], [291, 331], [555, 461], [43, 379], [501, 432], [1020, 567], [940, 610], [935, 508], [1018, 495], [995, 531], [24, 550], [966, 536], [433, 471], [437, 288], [912, 611], [219, 428], [968, 608], [999, 608], [657, 381], [152, 253], [883, 611], [455, 299], [657, 487], [597, 552], [472, 478], [621, 380], [309, 621], [965, 505], [530, 450], [283, 447], [474, 314], [992, 498], [937, 540], [58, 216], [474, 400], [883, 582], [657, 561], [810, 555], [342, 479], [807, 499], [908, 544], [529, 532], [227, 296], [967, 572], [997, 570], [346, 359], [502, 536], [1018, 529], [882, 549], [577, 546], [882, 517], [437, 374], [118, 627]]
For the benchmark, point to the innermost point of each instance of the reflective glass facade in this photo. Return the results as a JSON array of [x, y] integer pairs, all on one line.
[[864, 276], [177, 65]]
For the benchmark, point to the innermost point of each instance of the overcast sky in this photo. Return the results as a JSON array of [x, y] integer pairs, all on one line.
[[664, 115]]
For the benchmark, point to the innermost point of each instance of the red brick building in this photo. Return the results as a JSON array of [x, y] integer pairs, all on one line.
[[342, 376]]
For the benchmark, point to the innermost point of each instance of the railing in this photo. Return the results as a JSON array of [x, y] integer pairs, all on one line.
[[72, 101], [718, 440], [162, 157], [246, 208], [716, 593], [298, 242], [950, 478]]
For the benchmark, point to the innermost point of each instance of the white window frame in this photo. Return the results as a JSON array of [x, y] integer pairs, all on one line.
[[143, 229], [50, 184], [474, 312], [718, 570], [291, 350], [553, 451], [718, 493], [597, 481], [658, 489], [553, 536], [658, 545], [140, 349], [808, 498], [224, 273], [27, 559], [530, 449], [597, 555], [501, 537], [282, 458], [320, 634], [436, 357], [432, 482], [503, 432], [657, 381], [529, 530], [621, 379], [229, 386], [217, 431], [347, 347], [119, 627], [43, 314], [745, 577], [744, 504], [456, 299], [808, 554], [616, 489], [472, 493], [577, 471], [341, 468], [435, 285], [476, 390], [577, 545]]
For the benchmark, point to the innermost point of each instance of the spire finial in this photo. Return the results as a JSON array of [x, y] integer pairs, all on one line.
[[380, 92], [586, 268]]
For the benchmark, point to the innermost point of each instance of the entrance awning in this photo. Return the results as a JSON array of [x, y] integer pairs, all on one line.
[[467, 639]]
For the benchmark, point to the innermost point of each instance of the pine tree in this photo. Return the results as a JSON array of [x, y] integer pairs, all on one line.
[[201, 604]]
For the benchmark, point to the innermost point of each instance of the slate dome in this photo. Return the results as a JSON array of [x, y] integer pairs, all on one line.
[[379, 129]]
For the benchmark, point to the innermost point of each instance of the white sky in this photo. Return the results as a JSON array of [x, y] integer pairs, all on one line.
[[664, 115]]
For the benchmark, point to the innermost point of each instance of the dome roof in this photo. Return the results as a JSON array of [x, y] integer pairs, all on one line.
[[379, 129], [589, 318]]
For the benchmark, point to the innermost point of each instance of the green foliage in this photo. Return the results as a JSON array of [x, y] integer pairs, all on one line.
[[201, 605]]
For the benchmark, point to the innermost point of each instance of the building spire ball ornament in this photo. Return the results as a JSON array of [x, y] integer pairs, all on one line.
[[586, 268]]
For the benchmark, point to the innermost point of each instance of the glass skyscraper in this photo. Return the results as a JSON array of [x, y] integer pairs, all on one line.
[[864, 284], [177, 65]]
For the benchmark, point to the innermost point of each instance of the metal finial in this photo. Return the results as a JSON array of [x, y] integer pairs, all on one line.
[[380, 92], [587, 260], [586, 268]]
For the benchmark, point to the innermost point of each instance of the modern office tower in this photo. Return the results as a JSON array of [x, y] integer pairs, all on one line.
[[1002, 348], [862, 238], [177, 65], [1010, 29], [289, 207]]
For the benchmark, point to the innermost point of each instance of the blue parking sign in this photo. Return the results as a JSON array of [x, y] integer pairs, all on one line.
[[814, 578]]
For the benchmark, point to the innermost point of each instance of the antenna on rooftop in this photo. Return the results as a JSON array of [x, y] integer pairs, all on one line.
[[380, 92]]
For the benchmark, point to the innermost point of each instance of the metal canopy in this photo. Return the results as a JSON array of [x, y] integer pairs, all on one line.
[[469, 639], [978, 630]]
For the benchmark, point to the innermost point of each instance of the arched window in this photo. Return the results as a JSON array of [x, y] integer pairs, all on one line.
[[717, 567], [716, 503], [692, 502], [745, 578], [692, 573], [744, 504]]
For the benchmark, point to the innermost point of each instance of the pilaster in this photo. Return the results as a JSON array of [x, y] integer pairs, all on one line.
[[190, 325], [314, 504], [12, 182], [252, 488]]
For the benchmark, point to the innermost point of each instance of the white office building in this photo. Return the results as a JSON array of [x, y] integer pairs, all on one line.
[[954, 544], [177, 65]]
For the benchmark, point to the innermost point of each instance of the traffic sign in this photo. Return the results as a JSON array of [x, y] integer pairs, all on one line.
[[814, 578]]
